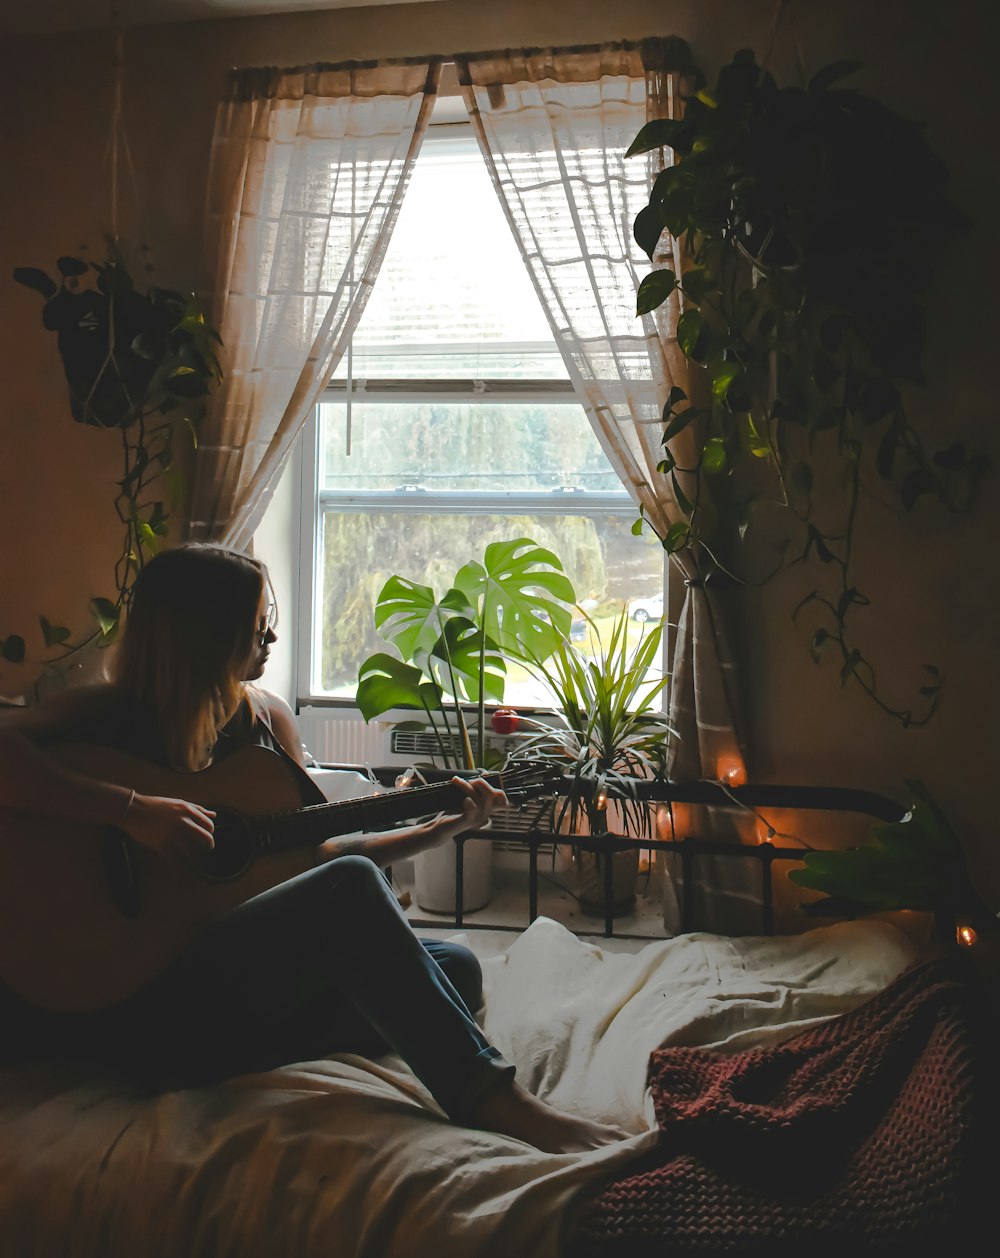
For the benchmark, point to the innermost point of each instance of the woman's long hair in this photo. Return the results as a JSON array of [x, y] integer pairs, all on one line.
[[187, 641]]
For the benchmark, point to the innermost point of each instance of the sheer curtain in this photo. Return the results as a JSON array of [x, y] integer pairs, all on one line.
[[308, 171], [554, 126]]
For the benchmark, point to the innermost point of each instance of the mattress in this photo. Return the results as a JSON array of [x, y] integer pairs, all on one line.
[[348, 1157]]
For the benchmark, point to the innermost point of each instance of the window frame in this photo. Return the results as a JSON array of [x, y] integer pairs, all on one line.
[[315, 499]]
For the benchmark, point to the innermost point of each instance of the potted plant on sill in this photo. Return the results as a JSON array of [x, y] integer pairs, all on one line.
[[611, 733], [452, 651]]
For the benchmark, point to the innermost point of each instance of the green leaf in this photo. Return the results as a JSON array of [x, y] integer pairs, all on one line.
[[689, 329], [71, 266], [758, 445], [816, 643], [723, 375], [677, 536], [469, 655], [523, 599], [830, 74], [54, 635], [914, 863], [660, 133], [683, 501], [648, 228], [851, 597], [675, 395], [698, 283], [714, 455], [636, 529], [654, 290], [385, 682], [410, 616], [850, 666], [106, 614], [12, 649], [877, 398], [680, 421], [917, 483], [815, 538], [31, 277]]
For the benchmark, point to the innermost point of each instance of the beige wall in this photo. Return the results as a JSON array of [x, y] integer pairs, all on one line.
[[936, 577]]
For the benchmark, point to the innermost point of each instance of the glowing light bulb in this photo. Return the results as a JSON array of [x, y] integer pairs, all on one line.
[[965, 936], [601, 801], [404, 780], [732, 771]]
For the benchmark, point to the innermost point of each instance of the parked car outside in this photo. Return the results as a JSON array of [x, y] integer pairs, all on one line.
[[643, 609]]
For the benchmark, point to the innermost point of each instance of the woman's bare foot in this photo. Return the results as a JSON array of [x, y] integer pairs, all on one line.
[[512, 1111]]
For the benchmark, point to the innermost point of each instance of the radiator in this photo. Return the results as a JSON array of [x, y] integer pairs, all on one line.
[[334, 736]]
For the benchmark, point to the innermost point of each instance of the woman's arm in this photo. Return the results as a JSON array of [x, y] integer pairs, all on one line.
[[31, 782], [284, 726], [481, 801]]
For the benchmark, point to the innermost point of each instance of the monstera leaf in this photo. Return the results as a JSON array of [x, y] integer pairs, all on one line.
[[469, 663], [521, 595], [385, 682], [410, 616]]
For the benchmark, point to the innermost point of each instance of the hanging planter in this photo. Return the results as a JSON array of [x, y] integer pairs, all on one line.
[[126, 354], [807, 221], [142, 362]]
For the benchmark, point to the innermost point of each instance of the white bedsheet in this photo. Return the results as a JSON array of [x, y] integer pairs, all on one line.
[[348, 1158]]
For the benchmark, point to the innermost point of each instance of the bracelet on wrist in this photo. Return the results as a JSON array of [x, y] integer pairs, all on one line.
[[128, 806]]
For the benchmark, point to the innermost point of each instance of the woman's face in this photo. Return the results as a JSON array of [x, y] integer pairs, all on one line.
[[264, 635]]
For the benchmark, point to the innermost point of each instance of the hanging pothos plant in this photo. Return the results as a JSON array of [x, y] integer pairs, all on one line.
[[141, 362], [807, 220]]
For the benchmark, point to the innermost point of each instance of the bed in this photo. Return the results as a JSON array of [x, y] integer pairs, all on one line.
[[349, 1157]]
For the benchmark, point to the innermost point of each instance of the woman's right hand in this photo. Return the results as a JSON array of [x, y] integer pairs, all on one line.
[[172, 827]]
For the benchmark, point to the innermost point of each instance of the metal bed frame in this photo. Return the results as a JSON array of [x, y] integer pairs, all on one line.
[[705, 793]]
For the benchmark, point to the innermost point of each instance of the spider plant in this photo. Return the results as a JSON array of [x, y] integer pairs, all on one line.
[[614, 731]]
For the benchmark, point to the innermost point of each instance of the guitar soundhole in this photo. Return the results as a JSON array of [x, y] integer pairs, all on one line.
[[233, 852]]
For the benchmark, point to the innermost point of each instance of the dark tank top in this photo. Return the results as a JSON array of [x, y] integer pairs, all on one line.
[[128, 726]]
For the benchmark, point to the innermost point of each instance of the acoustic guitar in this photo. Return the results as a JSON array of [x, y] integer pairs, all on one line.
[[88, 917]]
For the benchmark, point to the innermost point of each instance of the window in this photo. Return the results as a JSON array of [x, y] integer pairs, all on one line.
[[450, 424]]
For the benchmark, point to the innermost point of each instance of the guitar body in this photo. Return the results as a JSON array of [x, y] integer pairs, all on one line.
[[66, 941]]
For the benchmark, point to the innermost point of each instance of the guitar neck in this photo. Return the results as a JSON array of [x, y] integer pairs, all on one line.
[[313, 824]]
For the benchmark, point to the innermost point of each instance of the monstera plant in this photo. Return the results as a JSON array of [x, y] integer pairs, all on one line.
[[514, 604]]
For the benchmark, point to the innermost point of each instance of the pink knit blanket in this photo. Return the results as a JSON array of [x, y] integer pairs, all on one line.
[[864, 1134]]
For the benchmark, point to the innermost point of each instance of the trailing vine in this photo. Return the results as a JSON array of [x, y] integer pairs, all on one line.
[[805, 219], [141, 362]]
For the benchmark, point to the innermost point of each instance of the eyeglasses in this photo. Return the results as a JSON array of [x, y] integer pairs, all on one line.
[[268, 623]]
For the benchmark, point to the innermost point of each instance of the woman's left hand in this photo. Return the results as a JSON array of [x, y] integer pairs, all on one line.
[[481, 801]]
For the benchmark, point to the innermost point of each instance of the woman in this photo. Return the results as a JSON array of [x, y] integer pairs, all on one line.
[[321, 963]]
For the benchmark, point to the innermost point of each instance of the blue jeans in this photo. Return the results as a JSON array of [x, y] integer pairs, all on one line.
[[324, 963]]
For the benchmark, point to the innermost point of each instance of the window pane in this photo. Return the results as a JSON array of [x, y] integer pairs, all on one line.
[[452, 285], [360, 551], [446, 445]]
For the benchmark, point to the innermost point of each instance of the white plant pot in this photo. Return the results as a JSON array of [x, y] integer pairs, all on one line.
[[434, 877]]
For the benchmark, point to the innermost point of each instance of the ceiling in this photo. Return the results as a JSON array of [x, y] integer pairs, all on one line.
[[49, 16]]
